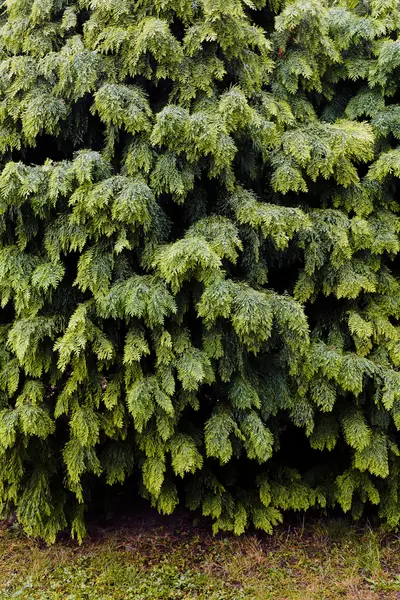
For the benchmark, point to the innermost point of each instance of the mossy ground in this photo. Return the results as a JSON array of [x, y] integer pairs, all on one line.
[[160, 559]]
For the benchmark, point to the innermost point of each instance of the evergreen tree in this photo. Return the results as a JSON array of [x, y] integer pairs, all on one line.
[[199, 275]]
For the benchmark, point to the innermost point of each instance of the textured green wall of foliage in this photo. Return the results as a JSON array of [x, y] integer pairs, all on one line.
[[199, 273]]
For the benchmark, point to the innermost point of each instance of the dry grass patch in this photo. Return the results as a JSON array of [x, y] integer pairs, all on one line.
[[172, 559]]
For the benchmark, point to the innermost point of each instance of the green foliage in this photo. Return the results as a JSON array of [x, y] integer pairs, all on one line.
[[199, 238]]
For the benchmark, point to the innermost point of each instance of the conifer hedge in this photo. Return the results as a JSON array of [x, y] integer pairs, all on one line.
[[199, 272]]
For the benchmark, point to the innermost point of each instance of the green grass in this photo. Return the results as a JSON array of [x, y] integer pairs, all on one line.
[[171, 559]]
